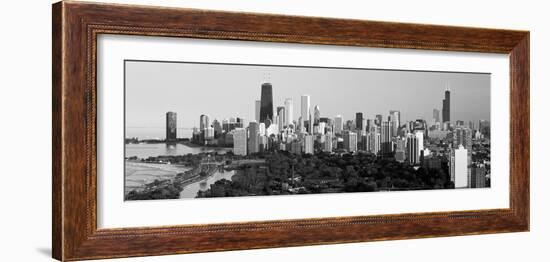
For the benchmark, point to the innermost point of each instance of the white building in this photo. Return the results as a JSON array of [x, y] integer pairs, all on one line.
[[420, 138], [459, 167], [288, 112], [350, 141], [239, 142], [338, 124], [209, 133]]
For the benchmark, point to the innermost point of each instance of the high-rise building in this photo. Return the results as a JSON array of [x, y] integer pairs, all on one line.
[[374, 141], [321, 128], [266, 108], [413, 152], [327, 144], [350, 141], [477, 178], [378, 120], [395, 121], [462, 136], [289, 118], [371, 127], [316, 115], [420, 138], [253, 137], [209, 133], [258, 105], [204, 122], [171, 126], [447, 106], [401, 149], [485, 128], [459, 123], [240, 122], [225, 125], [308, 144], [359, 121], [458, 167], [436, 115], [338, 124], [280, 119], [385, 136], [217, 127], [239, 142], [305, 114]]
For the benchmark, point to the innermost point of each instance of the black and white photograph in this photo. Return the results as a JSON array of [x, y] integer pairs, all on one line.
[[205, 130]]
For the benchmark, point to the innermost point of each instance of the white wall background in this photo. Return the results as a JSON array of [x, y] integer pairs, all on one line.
[[25, 147]]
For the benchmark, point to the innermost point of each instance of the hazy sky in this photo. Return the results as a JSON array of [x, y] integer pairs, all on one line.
[[223, 91]]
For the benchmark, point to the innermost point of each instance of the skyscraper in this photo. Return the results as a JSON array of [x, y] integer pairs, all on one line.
[[288, 112], [217, 128], [338, 125], [485, 128], [308, 144], [413, 156], [350, 141], [477, 177], [316, 115], [281, 117], [370, 126], [359, 121], [378, 120], [305, 103], [385, 137], [239, 141], [435, 115], [253, 137], [395, 121], [420, 138], [447, 106], [204, 122], [266, 108], [327, 145], [462, 136], [458, 166], [171, 126], [258, 105]]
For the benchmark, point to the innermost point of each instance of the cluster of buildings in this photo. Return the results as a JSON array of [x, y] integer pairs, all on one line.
[[419, 143]]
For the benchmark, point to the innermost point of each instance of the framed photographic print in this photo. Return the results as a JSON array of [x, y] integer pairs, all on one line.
[[182, 130]]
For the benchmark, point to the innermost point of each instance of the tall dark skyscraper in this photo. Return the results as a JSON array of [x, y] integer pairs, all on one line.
[[266, 104], [359, 121], [447, 107], [171, 126]]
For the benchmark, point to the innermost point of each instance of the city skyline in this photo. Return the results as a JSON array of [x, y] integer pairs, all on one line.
[[276, 145], [468, 90]]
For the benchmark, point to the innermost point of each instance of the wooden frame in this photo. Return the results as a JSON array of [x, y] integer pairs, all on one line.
[[76, 26]]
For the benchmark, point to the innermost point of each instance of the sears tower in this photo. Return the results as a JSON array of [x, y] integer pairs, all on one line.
[[266, 104], [447, 107]]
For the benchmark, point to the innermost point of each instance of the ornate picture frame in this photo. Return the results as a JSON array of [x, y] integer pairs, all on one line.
[[75, 29]]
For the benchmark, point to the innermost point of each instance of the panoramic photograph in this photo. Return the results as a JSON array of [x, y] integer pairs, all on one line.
[[205, 130]]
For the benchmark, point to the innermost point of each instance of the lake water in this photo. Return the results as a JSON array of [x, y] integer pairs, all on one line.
[[139, 174], [161, 149]]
